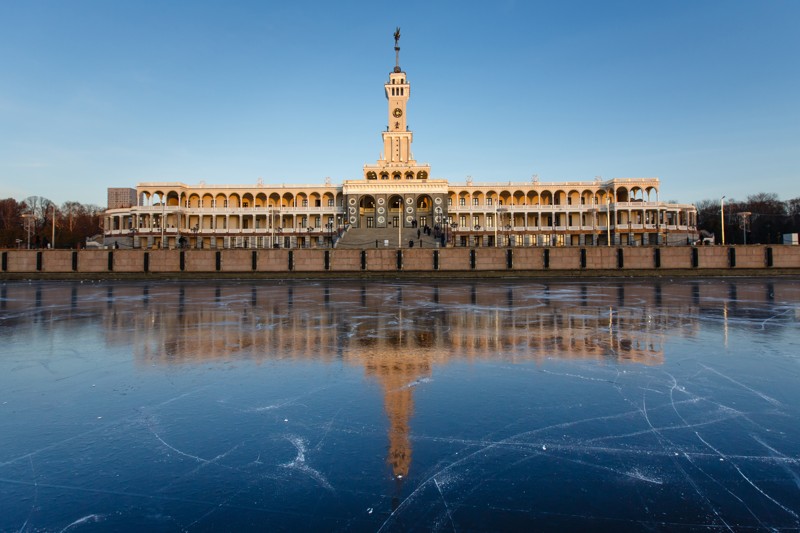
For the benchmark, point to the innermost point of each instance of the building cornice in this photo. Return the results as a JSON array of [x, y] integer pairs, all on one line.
[[395, 187]]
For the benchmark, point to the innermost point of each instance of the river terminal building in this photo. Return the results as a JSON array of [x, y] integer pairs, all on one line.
[[397, 202]]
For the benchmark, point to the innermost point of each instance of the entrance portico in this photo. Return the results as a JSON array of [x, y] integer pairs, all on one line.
[[375, 205]]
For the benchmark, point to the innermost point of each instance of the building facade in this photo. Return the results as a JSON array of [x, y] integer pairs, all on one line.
[[398, 193]]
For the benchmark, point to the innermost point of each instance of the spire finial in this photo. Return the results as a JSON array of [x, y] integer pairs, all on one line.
[[397, 49]]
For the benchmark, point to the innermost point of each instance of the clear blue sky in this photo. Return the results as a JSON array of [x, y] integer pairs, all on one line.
[[702, 94]]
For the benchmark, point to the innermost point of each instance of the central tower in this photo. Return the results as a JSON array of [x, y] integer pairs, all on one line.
[[396, 191], [397, 161]]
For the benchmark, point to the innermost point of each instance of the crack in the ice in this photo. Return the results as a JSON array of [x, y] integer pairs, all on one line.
[[686, 475], [770, 498], [85, 520], [447, 507], [299, 463], [189, 455], [761, 395], [776, 454], [101, 427]]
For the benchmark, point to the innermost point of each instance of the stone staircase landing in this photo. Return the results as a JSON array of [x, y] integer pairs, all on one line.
[[361, 238]]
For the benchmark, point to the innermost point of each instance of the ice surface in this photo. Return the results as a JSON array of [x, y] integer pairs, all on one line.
[[395, 406]]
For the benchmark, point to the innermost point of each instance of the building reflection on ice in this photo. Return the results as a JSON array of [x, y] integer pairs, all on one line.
[[397, 332]]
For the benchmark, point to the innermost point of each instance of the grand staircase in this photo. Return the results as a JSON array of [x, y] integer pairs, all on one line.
[[360, 238]]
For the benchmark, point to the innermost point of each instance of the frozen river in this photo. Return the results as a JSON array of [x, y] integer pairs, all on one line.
[[396, 406]]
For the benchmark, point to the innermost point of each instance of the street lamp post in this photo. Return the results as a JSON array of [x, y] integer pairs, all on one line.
[[658, 230], [178, 222], [163, 219], [500, 216], [272, 228], [722, 217], [509, 226], [630, 234], [438, 223], [53, 239], [496, 223], [400, 223], [495, 226], [27, 219], [744, 217]]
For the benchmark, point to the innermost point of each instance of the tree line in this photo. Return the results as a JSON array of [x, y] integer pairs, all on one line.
[[31, 220], [760, 219]]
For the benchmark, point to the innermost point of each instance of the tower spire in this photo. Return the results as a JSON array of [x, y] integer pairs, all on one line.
[[397, 49]]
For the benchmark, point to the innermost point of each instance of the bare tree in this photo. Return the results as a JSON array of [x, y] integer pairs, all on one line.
[[765, 204], [41, 210], [70, 211], [10, 222], [793, 207], [78, 221]]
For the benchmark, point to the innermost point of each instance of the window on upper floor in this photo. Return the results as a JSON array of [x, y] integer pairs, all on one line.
[[462, 202], [245, 204], [489, 201], [305, 203], [330, 203], [475, 201], [449, 202]]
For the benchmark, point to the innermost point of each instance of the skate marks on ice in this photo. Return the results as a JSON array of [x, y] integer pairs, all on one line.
[[189, 479], [524, 403], [696, 450]]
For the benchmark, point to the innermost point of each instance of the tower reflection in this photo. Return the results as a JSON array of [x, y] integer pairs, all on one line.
[[398, 334]]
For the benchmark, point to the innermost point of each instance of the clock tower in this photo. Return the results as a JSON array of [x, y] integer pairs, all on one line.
[[396, 191], [397, 139], [397, 160]]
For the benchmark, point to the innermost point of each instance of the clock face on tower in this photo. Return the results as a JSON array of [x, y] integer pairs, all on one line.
[[397, 112]]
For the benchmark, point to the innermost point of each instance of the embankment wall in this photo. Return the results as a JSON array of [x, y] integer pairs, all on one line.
[[602, 260]]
